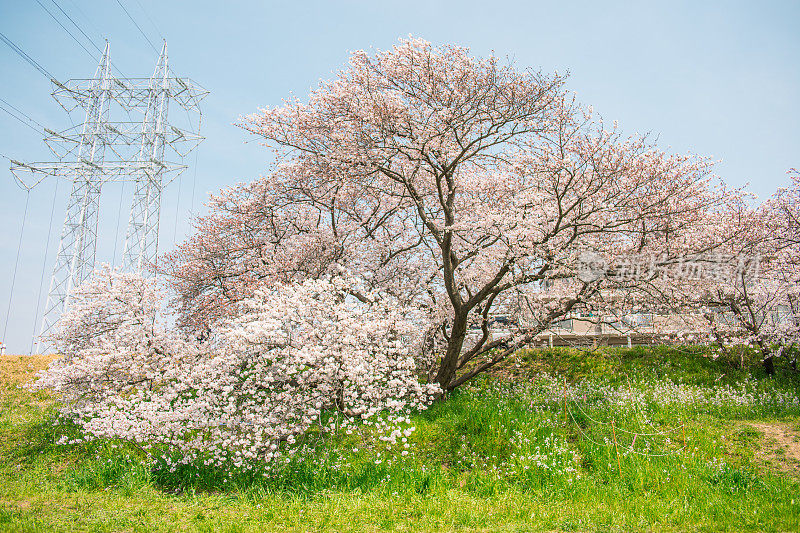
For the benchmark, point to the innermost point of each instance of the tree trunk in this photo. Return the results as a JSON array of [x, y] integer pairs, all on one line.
[[449, 366], [769, 365]]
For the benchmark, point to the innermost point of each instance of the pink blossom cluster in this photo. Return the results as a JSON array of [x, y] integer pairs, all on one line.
[[457, 184], [299, 356], [759, 305]]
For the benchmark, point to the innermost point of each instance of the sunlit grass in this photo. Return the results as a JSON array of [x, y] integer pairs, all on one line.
[[505, 453]]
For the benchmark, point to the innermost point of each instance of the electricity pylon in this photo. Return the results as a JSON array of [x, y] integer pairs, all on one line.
[[141, 239], [101, 150]]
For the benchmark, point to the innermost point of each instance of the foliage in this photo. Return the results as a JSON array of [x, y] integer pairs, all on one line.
[[756, 303], [466, 466], [301, 356], [457, 184]]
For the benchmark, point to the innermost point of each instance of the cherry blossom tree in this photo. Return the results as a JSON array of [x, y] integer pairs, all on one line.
[[455, 184], [249, 240], [300, 355], [785, 207], [760, 303], [111, 342], [745, 292]]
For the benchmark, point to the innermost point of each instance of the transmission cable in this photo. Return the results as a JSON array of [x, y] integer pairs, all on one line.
[[86, 18], [194, 181], [177, 210], [16, 264], [66, 30], [21, 53], [91, 41], [137, 27], [146, 14], [196, 157], [18, 110], [44, 268], [116, 231], [19, 119]]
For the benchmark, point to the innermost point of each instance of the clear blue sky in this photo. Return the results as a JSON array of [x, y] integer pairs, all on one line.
[[714, 78]]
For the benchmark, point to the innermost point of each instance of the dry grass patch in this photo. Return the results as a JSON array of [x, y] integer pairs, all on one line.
[[17, 369], [18, 405], [781, 447]]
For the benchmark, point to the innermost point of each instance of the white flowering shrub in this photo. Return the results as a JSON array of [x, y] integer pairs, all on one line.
[[112, 344], [299, 357]]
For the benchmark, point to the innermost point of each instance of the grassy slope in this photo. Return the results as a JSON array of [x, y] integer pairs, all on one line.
[[496, 456]]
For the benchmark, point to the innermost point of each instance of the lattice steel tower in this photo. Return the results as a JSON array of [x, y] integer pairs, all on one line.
[[102, 150]]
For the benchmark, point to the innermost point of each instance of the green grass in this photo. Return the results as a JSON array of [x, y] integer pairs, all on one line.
[[496, 455]]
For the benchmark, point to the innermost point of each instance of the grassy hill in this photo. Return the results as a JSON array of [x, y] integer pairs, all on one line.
[[557, 440]]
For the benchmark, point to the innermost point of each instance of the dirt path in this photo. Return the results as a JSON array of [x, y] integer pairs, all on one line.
[[782, 447]]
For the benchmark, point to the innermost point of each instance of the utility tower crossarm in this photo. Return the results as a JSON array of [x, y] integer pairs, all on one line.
[[102, 150]]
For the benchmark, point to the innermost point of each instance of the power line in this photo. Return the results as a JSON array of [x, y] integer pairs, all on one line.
[[21, 53], [35, 64], [16, 263], [86, 18], [196, 156], [66, 30], [194, 181], [177, 210], [18, 110], [77, 247], [44, 267], [76, 25], [91, 41], [146, 14], [137, 27], [116, 231], [19, 119]]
